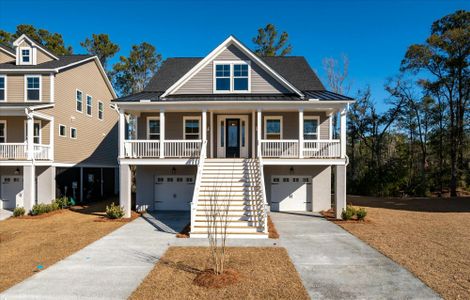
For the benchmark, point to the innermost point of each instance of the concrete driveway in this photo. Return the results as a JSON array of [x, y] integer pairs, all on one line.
[[334, 264]]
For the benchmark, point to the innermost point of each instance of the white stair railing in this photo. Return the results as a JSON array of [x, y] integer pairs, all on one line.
[[197, 184], [263, 190]]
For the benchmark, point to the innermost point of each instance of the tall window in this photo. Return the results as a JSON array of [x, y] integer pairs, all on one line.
[[25, 56], [222, 77], [89, 104], [153, 129], [311, 129], [79, 100], [2, 88], [36, 132], [73, 133], [273, 128], [62, 130], [231, 77], [33, 88], [191, 128], [100, 110], [3, 132]]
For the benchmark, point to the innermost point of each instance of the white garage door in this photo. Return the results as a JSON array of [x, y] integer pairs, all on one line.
[[291, 193], [12, 191], [173, 192]]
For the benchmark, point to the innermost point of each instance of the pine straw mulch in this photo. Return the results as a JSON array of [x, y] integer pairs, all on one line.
[[428, 236], [41, 216], [29, 243], [262, 273], [273, 234], [331, 216]]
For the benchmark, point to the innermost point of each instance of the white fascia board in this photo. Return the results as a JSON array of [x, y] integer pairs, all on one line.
[[33, 43], [217, 51]]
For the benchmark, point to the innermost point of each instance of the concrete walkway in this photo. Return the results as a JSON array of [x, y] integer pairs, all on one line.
[[5, 214], [110, 268], [334, 264]]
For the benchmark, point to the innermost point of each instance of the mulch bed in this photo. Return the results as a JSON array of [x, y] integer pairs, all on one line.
[[41, 216], [134, 215], [330, 216], [254, 273]]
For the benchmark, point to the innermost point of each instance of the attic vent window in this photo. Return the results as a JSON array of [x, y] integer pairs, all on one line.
[[231, 77]]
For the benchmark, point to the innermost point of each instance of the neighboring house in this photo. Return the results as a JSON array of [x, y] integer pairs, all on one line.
[[233, 130], [58, 132]]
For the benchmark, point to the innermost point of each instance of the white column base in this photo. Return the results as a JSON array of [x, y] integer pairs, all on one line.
[[29, 187], [340, 190]]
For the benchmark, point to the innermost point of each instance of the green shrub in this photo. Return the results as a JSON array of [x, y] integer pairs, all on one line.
[[114, 211], [361, 213], [19, 211], [42, 208], [62, 202], [348, 213]]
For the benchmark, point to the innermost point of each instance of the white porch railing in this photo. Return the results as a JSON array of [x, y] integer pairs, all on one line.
[[19, 151], [172, 148], [290, 149], [182, 148]]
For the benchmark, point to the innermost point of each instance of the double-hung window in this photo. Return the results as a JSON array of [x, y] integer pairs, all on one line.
[[26, 56], [89, 104], [33, 88], [79, 100], [3, 131], [231, 77], [100, 110], [153, 128], [273, 128], [311, 128], [3, 88], [192, 128]]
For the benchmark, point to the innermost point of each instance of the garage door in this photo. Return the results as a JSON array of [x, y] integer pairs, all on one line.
[[12, 191], [291, 193], [173, 192]]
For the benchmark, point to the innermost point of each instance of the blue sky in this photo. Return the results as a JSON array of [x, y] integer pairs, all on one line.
[[374, 34]]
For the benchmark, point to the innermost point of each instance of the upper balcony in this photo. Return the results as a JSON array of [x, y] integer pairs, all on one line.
[[19, 151]]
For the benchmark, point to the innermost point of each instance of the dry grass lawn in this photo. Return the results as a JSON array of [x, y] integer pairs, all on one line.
[[428, 236], [26, 243], [266, 273]]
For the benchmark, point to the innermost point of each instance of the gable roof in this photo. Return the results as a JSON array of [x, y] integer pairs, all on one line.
[[34, 43], [62, 61], [8, 50]]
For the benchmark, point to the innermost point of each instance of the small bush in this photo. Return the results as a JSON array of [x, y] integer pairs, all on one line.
[[348, 213], [114, 211], [19, 211], [42, 208], [62, 202], [361, 213]]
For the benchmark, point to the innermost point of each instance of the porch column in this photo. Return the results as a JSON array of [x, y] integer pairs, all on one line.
[[162, 133], [330, 126], [343, 132], [253, 134], [81, 184], [340, 190], [301, 133], [30, 137], [29, 187], [258, 131], [122, 134], [204, 128], [51, 139], [211, 133], [125, 189]]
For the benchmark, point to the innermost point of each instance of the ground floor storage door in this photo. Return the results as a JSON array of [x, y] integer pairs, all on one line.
[[173, 192], [12, 191], [291, 193]]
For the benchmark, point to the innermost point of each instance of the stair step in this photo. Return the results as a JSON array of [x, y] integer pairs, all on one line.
[[245, 218], [230, 223], [204, 209], [233, 235], [230, 229]]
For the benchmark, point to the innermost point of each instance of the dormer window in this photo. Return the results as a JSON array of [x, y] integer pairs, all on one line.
[[25, 56], [231, 77]]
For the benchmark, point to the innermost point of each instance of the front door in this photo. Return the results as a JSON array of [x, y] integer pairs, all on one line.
[[233, 138]]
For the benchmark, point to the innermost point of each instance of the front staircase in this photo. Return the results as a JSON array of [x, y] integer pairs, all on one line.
[[229, 195]]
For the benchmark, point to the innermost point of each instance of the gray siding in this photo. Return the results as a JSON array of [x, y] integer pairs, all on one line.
[[261, 82]]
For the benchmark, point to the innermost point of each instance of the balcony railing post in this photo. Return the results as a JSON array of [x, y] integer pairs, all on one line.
[[343, 132], [122, 135], [301, 133], [30, 137], [162, 133]]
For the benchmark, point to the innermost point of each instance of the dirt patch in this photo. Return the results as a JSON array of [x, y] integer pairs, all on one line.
[[428, 236], [264, 273], [273, 234], [209, 279], [184, 233], [28, 245]]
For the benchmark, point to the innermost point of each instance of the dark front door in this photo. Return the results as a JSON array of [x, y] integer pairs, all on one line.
[[233, 138]]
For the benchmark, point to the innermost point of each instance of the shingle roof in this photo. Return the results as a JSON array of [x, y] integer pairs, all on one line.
[[22, 104], [63, 61], [7, 49]]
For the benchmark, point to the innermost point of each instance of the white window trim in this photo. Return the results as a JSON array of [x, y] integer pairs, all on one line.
[[231, 63], [266, 118], [98, 110], [148, 126], [80, 111], [65, 131], [30, 56], [186, 118], [318, 125], [26, 130], [76, 133], [91, 106], [26, 87], [5, 129], [5, 89]]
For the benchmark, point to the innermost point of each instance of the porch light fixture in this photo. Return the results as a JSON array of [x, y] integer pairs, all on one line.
[[291, 171], [173, 171], [17, 171]]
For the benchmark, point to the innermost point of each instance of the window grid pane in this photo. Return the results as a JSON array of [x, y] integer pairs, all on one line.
[[79, 100]]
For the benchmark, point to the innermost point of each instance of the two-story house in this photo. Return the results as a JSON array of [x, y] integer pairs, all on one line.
[[58, 132], [237, 133]]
